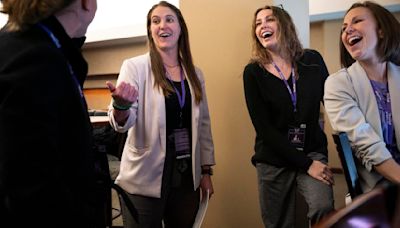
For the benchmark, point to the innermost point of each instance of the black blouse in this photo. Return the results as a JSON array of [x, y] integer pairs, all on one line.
[[173, 109], [272, 114]]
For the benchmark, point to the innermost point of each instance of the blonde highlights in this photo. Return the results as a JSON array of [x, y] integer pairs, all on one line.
[[23, 13]]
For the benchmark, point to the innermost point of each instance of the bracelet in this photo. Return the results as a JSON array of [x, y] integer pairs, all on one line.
[[208, 171], [120, 107]]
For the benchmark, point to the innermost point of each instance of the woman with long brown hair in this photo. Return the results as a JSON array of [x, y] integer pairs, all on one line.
[[160, 100]]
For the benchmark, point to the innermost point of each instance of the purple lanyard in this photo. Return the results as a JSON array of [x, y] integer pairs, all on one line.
[[181, 99], [58, 45], [293, 94], [386, 110], [383, 103]]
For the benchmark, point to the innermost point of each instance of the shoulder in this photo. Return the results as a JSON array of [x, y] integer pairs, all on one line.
[[251, 69], [33, 65], [254, 74], [392, 67], [138, 60], [31, 54], [311, 57], [28, 44], [355, 72], [252, 66], [199, 74], [338, 79], [139, 63]]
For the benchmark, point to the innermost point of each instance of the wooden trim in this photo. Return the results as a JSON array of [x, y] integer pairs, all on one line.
[[102, 76], [98, 81]]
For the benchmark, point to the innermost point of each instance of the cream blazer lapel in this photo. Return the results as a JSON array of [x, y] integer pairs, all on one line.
[[158, 100], [366, 97], [195, 125]]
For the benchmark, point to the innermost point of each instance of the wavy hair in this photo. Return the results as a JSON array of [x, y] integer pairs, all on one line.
[[23, 13], [288, 40]]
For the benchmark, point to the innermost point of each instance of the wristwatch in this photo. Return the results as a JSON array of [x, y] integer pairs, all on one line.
[[208, 171]]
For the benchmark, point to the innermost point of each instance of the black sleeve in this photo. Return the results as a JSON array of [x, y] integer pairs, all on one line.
[[260, 115], [313, 57]]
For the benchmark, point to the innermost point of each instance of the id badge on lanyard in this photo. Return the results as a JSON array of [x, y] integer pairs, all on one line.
[[297, 136], [181, 142]]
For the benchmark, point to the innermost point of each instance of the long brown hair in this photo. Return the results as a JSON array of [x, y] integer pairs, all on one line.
[[184, 55], [388, 48], [23, 13], [287, 39]]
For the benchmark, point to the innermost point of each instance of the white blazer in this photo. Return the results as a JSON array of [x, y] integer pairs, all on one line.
[[352, 108], [143, 157]]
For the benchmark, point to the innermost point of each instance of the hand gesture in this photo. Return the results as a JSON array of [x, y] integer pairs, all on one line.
[[124, 94]]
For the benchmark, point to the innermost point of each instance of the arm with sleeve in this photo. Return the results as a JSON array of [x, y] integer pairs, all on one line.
[[128, 74], [205, 136], [356, 113]]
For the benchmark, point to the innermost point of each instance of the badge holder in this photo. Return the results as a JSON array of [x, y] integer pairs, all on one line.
[[297, 136]]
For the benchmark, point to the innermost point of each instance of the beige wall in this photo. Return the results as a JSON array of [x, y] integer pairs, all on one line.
[[221, 45], [108, 59]]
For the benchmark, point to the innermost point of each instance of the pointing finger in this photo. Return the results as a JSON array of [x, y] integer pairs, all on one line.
[[110, 86]]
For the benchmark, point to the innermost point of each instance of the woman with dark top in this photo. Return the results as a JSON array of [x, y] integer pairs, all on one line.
[[46, 157], [284, 87]]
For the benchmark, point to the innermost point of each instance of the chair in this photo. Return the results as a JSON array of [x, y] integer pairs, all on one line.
[[108, 146], [347, 160], [114, 160]]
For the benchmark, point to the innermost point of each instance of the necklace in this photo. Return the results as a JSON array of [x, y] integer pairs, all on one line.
[[171, 66]]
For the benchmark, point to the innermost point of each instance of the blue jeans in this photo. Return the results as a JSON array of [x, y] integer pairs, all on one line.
[[277, 194]]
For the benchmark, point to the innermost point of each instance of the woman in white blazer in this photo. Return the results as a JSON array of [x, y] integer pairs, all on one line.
[[363, 99], [160, 100]]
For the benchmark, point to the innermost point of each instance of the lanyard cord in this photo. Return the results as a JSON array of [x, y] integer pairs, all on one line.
[[293, 94], [58, 45], [181, 99]]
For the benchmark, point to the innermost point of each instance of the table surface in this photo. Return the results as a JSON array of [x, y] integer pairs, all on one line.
[[99, 120]]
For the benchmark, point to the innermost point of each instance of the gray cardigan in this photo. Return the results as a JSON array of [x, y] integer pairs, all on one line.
[[352, 108]]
